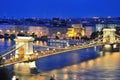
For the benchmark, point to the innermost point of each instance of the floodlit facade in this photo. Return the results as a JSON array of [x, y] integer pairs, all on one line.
[[76, 30], [71, 32]]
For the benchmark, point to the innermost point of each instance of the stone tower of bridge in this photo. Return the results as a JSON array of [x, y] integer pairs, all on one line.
[[24, 48], [109, 35]]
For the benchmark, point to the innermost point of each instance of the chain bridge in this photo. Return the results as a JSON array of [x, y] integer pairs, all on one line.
[[22, 51]]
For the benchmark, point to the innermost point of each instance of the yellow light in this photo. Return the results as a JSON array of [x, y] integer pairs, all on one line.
[[36, 32], [71, 32], [47, 48], [0, 30], [21, 31], [36, 54], [8, 31], [35, 51], [83, 33], [58, 33], [114, 46], [107, 46], [13, 31]]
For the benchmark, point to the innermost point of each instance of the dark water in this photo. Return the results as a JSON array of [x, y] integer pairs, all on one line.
[[4, 44], [75, 65]]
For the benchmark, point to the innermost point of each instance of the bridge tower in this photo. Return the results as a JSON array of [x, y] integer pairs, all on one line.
[[109, 35], [25, 48], [109, 40]]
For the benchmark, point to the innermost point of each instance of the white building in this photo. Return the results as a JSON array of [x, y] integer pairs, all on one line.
[[38, 30], [88, 30], [79, 29], [7, 28], [99, 27]]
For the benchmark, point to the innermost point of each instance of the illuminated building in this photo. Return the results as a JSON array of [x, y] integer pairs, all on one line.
[[38, 30], [61, 31], [76, 30], [71, 32], [88, 30]]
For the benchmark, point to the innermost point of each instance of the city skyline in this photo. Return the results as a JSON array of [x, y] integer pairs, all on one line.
[[59, 8]]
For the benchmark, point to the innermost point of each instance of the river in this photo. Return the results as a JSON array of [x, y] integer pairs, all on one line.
[[74, 65]]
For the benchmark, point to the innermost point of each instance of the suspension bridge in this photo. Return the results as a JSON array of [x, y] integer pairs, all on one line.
[[22, 51]]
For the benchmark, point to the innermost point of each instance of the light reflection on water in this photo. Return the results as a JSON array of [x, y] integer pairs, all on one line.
[[4, 44], [103, 68]]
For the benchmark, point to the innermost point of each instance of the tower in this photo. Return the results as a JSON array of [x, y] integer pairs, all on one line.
[[109, 35], [24, 48]]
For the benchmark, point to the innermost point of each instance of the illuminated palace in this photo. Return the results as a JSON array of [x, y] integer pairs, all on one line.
[[76, 30]]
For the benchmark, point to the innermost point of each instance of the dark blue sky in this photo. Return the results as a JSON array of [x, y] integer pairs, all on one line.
[[59, 8]]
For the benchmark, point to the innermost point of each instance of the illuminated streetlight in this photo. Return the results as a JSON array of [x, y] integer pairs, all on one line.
[[36, 54], [7, 31], [54, 49], [21, 31], [1, 30], [4, 57], [48, 49], [13, 31], [35, 51]]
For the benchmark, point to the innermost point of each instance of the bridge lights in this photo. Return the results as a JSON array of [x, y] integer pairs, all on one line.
[[41, 51], [54, 49], [48, 49], [35, 51], [114, 46], [66, 47], [107, 46], [36, 54], [4, 58]]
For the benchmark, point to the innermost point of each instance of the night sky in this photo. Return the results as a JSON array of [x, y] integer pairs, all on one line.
[[59, 8]]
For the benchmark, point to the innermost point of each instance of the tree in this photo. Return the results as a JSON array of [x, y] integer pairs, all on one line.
[[95, 34]]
